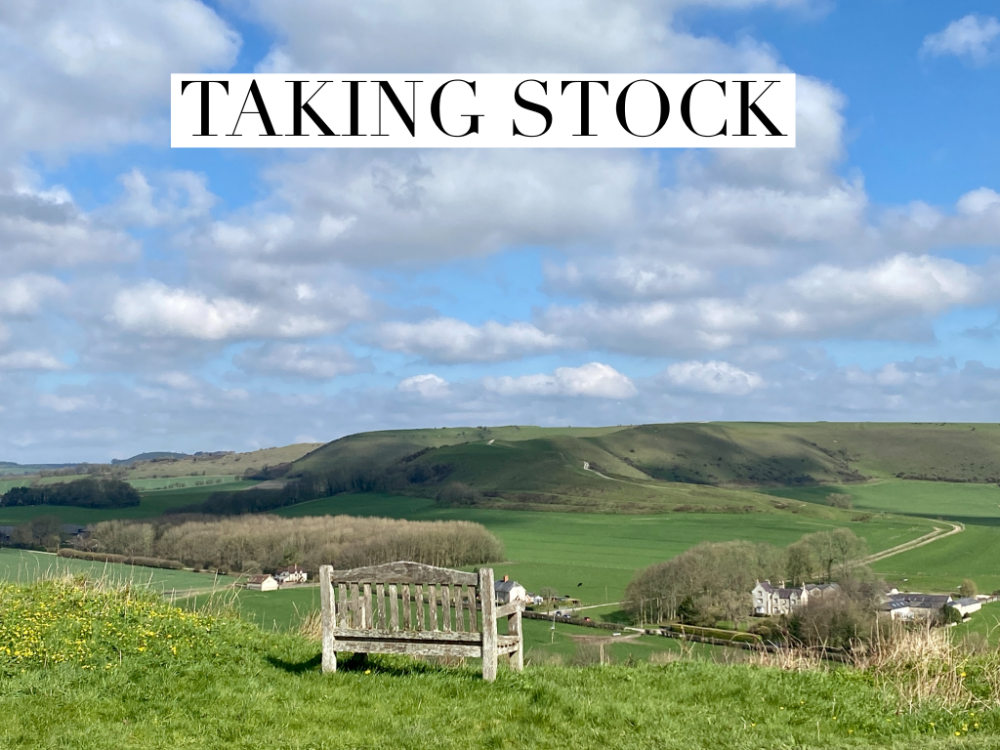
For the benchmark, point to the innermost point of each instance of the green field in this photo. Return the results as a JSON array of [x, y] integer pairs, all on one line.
[[603, 551], [941, 566], [153, 503], [24, 566]]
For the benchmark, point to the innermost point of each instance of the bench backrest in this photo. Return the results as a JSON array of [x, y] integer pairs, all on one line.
[[409, 596]]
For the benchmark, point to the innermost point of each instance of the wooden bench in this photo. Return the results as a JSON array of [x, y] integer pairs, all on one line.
[[411, 608]]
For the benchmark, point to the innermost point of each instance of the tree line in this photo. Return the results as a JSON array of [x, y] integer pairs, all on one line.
[[90, 492], [266, 543]]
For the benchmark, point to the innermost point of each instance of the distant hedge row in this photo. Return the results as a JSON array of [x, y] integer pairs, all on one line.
[[90, 492], [148, 562]]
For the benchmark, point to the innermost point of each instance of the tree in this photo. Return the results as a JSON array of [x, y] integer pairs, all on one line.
[[548, 593], [839, 500], [802, 564], [968, 588]]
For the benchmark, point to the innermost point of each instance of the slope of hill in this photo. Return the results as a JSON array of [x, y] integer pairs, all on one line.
[[220, 464], [664, 467]]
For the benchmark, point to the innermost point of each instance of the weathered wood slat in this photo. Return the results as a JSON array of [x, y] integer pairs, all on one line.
[[509, 609], [420, 607], [343, 606], [405, 572], [408, 635], [514, 631], [380, 600], [433, 608], [393, 607], [446, 608], [487, 602], [406, 606], [459, 607], [329, 658], [409, 649], [366, 607], [471, 598], [355, 607]]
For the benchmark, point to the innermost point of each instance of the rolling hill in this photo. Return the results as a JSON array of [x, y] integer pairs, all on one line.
[[649, 468]]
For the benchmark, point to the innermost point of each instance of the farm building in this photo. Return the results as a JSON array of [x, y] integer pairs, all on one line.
[[913, 606], [508, 591], [966, 605], [771, 600], [294, 574], [262, 583]]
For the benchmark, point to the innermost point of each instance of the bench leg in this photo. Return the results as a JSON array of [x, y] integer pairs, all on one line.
[[327, 614], [514, 628]]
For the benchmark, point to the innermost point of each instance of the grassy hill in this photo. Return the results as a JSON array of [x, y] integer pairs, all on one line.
[[93, 667], [724, 454], [220, 465]]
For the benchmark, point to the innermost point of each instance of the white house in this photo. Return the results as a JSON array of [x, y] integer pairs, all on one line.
[[508, 591], [771, 600], [262, 583], [294, 574]]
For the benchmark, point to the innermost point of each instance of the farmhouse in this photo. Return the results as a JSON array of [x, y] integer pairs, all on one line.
[[508, 591], [771, 600], [294, 574], [262, 583], [913, 606]]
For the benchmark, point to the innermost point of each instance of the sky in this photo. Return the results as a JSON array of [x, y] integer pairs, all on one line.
[[168, 299]]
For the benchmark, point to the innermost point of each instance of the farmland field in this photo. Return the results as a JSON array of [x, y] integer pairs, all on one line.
[[941, 566], [603, 551], [24, 566]]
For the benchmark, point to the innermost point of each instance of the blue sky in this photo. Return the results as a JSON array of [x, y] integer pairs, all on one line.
[[158, 299]]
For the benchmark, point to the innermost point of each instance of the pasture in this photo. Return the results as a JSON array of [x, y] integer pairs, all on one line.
[[940, 566], [24, 566], [603, 551]]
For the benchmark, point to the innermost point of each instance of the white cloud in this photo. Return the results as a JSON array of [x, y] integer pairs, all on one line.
[[594, 379], [64, 403], [714, 377], [177, 197], [429, 386], [970, 37], [154, 309], [626, 277], [24, 295], [978, 201], [517, 36], [319, 362], [889, 299], [101, 65], [181, 381], [451, 340], [30, 360]]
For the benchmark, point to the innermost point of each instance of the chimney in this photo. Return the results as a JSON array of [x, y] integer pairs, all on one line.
[[506, 578]]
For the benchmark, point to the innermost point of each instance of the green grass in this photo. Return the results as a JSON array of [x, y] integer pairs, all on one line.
[[23, 566], [985, 623], [111, 668], [603, 551], [152, 504]]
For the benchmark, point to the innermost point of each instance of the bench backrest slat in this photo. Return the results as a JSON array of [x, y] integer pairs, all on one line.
[[405, 572], [459, 606], [406, 606]]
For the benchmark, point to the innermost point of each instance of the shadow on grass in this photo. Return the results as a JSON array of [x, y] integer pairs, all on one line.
[[392, 665]]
